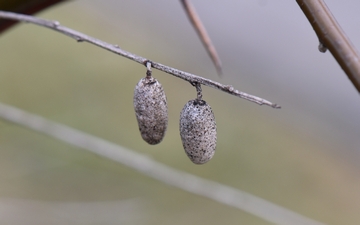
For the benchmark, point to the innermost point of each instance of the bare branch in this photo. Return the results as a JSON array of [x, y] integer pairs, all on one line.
[[332, 37], [142, 163], [115, 49], [204, 37], [25, 7]]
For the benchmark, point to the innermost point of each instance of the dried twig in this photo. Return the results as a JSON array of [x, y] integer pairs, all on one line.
[[199, 186], [332, 37], [115, 48], [204, 37], [25, 7]]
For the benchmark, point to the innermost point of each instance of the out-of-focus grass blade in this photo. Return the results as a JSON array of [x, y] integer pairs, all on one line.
[[204, 37], [218, 192]]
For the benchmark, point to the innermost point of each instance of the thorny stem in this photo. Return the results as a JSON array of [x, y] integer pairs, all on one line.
[[80, 37]]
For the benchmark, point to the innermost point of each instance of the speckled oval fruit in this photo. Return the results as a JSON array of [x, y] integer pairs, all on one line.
[[198, 131], [151, 110]]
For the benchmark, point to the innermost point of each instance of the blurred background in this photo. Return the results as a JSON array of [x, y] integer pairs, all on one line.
[[303, 157]]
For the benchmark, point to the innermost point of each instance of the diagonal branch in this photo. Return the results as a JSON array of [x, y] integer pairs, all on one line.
[[332, 37], [204, 37], [145, 165], [25, 7], [54, 25]]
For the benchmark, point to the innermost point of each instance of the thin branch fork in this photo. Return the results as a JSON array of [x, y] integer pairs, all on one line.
[[80, 37]]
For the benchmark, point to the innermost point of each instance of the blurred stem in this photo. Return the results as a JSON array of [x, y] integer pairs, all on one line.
[[147, 166], [25, 7], [332, 37], [203, 35], [54, 25]]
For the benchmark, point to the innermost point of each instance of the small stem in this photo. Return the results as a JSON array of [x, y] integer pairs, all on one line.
[[148, 71], [54, 25], [198, 90]]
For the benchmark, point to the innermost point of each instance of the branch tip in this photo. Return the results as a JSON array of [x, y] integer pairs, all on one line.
[[276, 106]]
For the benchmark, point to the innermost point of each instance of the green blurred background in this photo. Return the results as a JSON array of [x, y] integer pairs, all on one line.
[[303, 157]]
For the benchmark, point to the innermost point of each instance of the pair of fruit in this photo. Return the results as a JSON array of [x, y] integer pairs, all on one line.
[[197, 121]]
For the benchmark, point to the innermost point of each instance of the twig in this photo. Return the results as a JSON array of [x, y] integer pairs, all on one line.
[[115, 49], [25, 7], [332, 37], [204, 37], [161, 172]]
